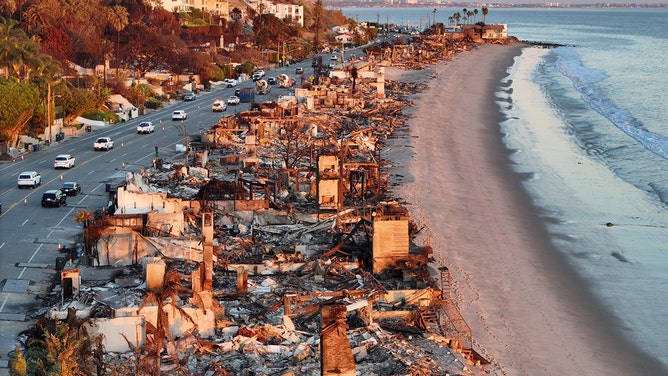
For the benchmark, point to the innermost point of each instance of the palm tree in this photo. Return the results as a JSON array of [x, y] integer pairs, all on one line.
[[10, 34], [9, 7], [118, 18], [47, 72], [485, 11], [23, 56], [42, 14], [171, 289]]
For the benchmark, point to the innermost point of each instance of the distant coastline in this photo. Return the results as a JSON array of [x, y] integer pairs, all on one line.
[[355, 4]]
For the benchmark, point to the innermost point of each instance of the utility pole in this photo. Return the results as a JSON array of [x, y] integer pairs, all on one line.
[[48, 112]]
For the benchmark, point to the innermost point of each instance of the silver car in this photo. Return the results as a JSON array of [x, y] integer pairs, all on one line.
[[179, 115], [64, 161]]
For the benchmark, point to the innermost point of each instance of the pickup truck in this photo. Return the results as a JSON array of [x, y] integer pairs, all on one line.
[[103, 143]]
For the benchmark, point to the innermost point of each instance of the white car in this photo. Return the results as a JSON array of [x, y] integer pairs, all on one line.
[[179, 115], [64, 161], [145, 127], [218, 106], [103, 143], [29, 179], [230, 82], [233, 100], [258, 74]]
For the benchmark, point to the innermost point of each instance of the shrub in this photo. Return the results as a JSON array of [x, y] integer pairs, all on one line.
[[153, 103], [101, 115]]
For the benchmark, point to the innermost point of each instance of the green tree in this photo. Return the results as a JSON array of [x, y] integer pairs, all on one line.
[[18, 101], [485, 12]]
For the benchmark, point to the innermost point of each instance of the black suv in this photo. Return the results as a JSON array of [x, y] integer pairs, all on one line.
[[71, 188], [54, 197]]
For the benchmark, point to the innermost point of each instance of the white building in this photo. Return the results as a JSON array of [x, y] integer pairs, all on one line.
[[287, 12], [290, 13]]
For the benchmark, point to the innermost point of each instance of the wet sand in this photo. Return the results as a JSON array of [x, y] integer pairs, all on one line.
[[528, 312]]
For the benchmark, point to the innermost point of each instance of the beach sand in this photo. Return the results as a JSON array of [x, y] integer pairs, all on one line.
[[528, 312]]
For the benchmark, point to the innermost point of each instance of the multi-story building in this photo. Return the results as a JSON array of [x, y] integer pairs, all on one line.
[[290, 13], [287, 12]]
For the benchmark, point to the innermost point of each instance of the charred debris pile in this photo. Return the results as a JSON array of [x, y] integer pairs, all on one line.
[[268, 245]]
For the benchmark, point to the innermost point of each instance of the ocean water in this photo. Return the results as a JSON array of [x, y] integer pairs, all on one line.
[[588, 122]]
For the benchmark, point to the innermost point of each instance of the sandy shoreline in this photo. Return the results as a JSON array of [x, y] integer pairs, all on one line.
[[530, 315]]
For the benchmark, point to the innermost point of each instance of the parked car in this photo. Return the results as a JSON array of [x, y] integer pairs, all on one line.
[[229, 82], [29, 179], [71, 188], [145, 127], [64, 161], [179, 115], [189, 97], [299, 70], [271, 80], [233, 100], [218, 106], [54, 197], [103, 143]]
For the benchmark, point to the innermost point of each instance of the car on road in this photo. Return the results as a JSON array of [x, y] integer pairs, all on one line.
[[237, 92], [145, 127], [299, 70], [179, 115], [103, 143], [233, 100], [29, 179], [189, 97], [218, 106], [71, 188], [229, 82], [0, 207], [334, 58], [54, 197], [272, 81], [258, 74], [64, 161]]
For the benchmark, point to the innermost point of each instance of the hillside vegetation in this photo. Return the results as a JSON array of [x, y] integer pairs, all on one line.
[[42, 42]]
